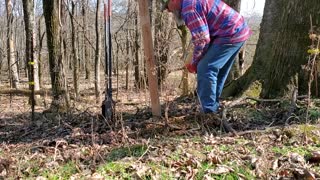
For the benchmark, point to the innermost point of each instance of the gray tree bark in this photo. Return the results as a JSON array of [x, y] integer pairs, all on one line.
[[31, 53], [97, 57], [74, 52], [12, 64], [281, 50], [85, 34], [52, 14]]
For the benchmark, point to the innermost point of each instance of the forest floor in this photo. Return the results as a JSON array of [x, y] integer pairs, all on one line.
[[81, 144]]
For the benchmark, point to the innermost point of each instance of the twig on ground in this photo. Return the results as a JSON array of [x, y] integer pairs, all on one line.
[[147, 150]]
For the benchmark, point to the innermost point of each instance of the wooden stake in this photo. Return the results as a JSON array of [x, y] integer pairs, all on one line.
[[149, 57]]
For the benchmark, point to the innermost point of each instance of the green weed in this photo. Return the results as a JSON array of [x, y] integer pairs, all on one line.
[[133, 151]]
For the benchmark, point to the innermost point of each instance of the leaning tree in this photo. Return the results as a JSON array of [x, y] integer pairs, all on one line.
[[281, 50]]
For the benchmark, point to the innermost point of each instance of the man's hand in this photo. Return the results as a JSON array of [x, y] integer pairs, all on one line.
[[191, 68]]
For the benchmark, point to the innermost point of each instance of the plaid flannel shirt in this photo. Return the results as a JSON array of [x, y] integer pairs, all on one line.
[[212, 21]]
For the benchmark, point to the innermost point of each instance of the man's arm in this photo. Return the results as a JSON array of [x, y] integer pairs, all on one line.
[[199, 29]]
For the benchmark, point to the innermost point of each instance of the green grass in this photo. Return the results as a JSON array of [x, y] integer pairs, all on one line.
[[314, 114], [245, 171], [112, 170], [202, 171], [161, 170], [62, 173], [122, 152], [208, 148], [285, 150], [225, 148]]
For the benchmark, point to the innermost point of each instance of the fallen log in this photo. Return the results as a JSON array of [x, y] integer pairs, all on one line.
[[24, 92]]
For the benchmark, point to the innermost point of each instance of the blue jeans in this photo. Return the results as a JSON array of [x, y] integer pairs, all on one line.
[[213, 70]]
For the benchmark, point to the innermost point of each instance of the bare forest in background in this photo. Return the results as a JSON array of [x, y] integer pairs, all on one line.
[[56, 89]]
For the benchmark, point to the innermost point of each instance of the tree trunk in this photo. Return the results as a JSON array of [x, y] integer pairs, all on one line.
[[235, 4], [31, 56], [12, 64], [52, 14], [128, 56], [1, 60], [40, 36], [281, 49], [161, 45], [149, 56], [75, 53], [290, 46], [235, 71], [97, 57], [85, 34], [136, 65], [185, 73]]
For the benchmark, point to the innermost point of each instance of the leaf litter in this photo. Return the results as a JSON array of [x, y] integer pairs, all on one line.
[[82, 145]]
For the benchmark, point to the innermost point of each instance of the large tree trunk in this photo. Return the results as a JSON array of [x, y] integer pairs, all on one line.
[[97, 58], [74, 52], [281, 50], [12, 64], [290, 46], [31, 56], [52, 14]]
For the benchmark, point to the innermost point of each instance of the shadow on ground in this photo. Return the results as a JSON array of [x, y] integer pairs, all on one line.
[[181, 114]]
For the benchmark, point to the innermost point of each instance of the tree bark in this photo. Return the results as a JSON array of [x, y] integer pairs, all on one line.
[[52, 14], [149, 56], [235, 71], [136, 63], [281, 49], [97, 57], [74, 52], [85, 34], [162, 25], [290, 46], [31, 53], [185, 73], [235, 4], [40, 37], [12, 64]]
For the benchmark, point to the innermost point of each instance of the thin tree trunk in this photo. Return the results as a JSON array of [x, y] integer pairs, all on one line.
[[75, 53], [1, 60], [85, 34], [53, 16], [162, 25], [12, 64], [41, 36], [97, 57], [149, 56], [31, 57], [185, 73], [136, 65]]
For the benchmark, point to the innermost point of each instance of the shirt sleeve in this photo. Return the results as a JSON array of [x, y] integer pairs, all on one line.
[[199, 29]]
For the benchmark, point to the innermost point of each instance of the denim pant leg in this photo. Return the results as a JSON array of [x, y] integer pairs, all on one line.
[[212, 72]]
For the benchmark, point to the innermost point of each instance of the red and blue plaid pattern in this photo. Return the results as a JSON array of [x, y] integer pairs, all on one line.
[[212, 21]]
